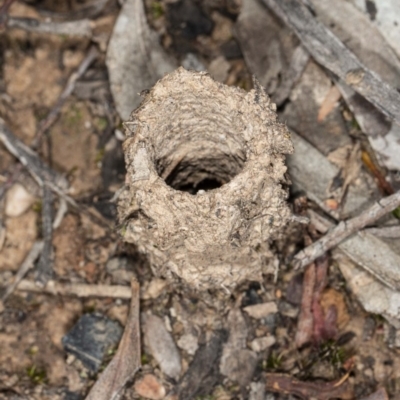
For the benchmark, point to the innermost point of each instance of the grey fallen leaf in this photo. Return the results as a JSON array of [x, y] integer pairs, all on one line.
[[162, 346], [135, 58], [266, 51], [375, 297], [301, 113], [385, 17], [311, 172], [363, 36], [237, 362], [126, 361]]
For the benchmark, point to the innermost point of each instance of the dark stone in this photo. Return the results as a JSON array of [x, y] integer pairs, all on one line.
[[185, 21], [90, 338], [72, 396], [231, 50], [371, 9]]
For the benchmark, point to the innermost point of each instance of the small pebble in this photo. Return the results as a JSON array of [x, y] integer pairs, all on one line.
[[150, 388], [162, 346], [259, 311], [257, 391], [188, 343], [155, 289], [262, 343], [18, 200]]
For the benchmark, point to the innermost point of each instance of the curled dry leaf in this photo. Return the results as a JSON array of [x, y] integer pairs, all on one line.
[[380, 394], [126, 361]]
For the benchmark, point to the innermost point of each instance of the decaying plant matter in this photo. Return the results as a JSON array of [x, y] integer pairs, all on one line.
[[205, 166]]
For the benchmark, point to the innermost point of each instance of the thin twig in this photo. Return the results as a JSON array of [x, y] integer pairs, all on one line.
[[62, 210], [46, 123], [42, 174], [80, 28], [346, 228], [26, 265], [77, 289], [330, 52], [44, 270], [4, 11], [10, 181], [30, 160]]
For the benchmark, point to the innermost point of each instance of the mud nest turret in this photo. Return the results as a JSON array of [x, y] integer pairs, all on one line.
[[205, 166]]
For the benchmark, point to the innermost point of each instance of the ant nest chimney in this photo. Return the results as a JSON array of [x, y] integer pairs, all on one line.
[[203, 196]]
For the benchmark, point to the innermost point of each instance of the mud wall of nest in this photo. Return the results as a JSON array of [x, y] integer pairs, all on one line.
[[205, 165]]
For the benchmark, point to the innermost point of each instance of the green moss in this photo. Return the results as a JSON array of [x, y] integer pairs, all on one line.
[[99, 155], [396, 212], [101, 123], [157, 9], [73, 116]]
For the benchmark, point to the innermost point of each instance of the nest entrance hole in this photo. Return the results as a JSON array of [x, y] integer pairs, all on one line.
[[201, 169]]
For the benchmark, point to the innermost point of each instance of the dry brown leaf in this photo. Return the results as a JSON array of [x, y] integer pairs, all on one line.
[[329, 103], [280, 383], [126, 361], [380, 394]]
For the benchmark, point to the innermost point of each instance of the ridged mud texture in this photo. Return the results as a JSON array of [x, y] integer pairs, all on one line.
[[203, 196]]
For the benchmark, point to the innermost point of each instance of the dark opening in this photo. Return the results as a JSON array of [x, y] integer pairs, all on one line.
[[192, 188]]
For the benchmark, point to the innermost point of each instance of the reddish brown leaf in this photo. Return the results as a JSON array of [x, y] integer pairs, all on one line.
[[380, 394], [340, 389]]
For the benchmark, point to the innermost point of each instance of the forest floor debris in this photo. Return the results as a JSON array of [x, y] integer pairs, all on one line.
[[60, 75]]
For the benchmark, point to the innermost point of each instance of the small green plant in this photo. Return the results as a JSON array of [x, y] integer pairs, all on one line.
[[37, 375], [333, 353], [144, 359], [274, 361]]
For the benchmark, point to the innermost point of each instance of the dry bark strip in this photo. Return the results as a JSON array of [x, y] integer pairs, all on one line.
[[330, 52], [126, 361], [346, 228], [44, 271], [26, 265], [340, 389]]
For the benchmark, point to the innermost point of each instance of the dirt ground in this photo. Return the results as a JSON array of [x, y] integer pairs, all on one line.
[[84, 144]]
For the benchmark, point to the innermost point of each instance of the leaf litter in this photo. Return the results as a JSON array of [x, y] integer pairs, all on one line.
[[341, 354]]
